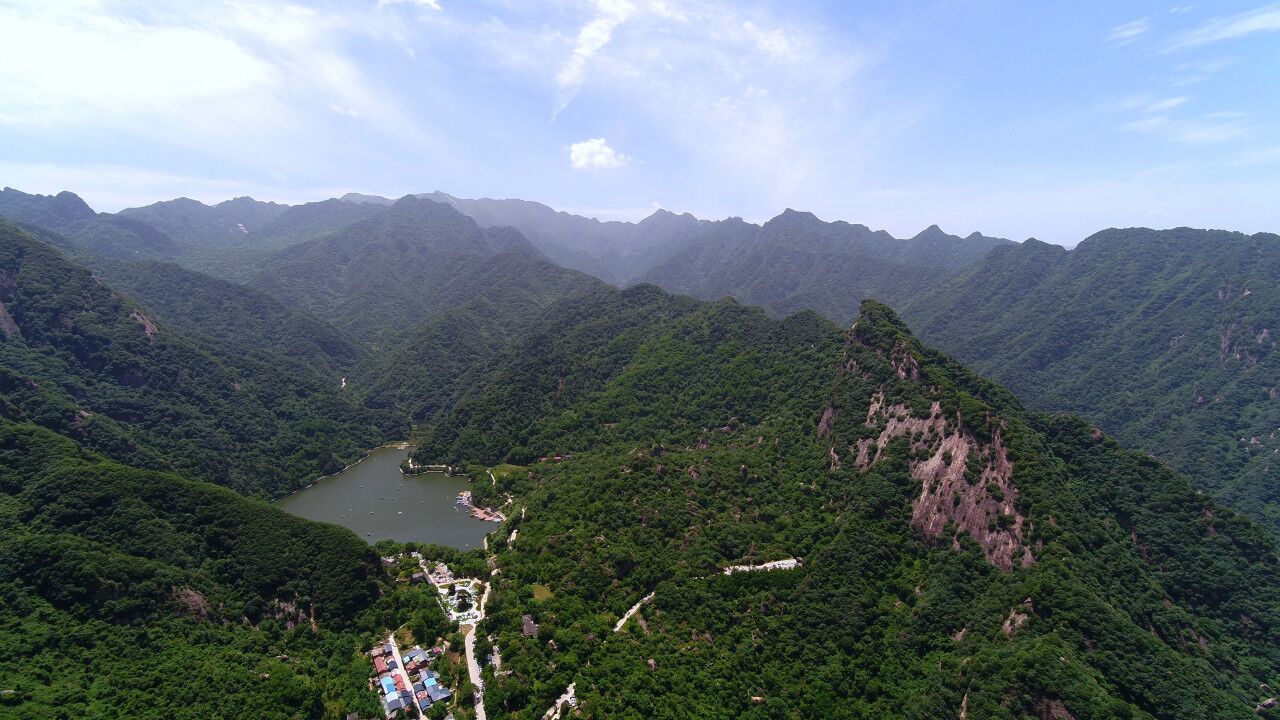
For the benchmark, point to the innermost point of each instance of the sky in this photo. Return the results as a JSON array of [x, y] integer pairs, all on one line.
[[1017, 119]]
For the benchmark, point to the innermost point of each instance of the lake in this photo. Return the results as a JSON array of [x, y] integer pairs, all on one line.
[[377, 502]]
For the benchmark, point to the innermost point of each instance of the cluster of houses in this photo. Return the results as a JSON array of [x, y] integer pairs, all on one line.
[[397, 686]]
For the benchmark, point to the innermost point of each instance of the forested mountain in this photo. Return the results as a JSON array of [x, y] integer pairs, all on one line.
[[239, 319], [199, 226], [131, 593], [1166, 339], [959, 556], [797, 262], [419, 370], [396, 269], [84, 361]]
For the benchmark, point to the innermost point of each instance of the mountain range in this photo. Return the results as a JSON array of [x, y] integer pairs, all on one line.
[[663, 402]]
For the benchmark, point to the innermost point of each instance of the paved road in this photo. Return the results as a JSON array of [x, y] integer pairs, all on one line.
[[473, 665], [627, 615]]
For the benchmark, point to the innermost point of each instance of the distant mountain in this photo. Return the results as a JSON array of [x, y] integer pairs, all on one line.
[[796, 261], [51, 211], [954, 555], [490, 308], [1168, 339], [391, 271], [238, 318], [312, 220], [199, 226], [613, 251], [77, 225], [87, 362]]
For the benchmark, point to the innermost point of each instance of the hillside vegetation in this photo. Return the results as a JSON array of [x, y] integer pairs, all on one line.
[[959, 555], [131, 593], [1167, 339], [82, 360]]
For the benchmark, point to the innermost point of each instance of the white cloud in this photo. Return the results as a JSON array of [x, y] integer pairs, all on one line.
[[595, 154], [241, 79], [772, 42], [95, 65], [1263, 19], [591, 39], [1128, 32]]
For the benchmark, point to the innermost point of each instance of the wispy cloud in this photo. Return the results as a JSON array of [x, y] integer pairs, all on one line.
[[432, 4], [1128, 32], [1216, 127], [595, 154], [592, 37], [1165, 104], [1192, 73], [1263, 19]]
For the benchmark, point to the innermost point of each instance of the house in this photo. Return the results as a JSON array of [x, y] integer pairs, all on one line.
[[379, 665], [439, 693], [394, 704], [419, 577], [529, 628], [388, 686]]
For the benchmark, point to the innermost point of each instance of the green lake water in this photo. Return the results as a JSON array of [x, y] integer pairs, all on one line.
[[377, 502]]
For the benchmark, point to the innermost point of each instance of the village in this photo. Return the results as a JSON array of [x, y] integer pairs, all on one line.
[[394, 679]]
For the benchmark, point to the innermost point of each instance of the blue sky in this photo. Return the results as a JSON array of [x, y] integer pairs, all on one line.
[[1017, 119]]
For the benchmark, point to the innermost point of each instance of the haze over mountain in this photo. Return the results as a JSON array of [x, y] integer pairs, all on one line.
[[794, 261]]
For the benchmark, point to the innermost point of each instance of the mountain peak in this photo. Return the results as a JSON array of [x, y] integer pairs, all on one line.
[[933, 232]]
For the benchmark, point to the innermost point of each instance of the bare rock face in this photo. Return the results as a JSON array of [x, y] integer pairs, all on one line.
[[981, 501], [191, 601], [7, 324], [913, 400], [148, 327]]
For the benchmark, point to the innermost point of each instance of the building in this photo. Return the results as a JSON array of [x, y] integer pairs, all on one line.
[[529, 627]]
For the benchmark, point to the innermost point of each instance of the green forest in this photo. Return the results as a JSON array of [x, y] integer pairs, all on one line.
[[949, 545]]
